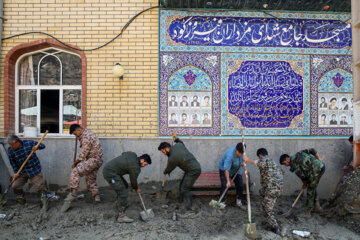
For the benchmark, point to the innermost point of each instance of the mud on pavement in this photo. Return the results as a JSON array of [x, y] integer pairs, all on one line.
[[88, 221]]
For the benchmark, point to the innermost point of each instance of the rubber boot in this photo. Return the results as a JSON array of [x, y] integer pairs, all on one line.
[[306, 213], [181, 198], [44, 201], [67, 202], [188, 201], [317, 207], [122, 218], [276, 230], [20, 198]]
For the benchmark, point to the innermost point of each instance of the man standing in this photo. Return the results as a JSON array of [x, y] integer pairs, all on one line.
[[271, 179], [309, 168], [229, 164], [18, 151], [87, 164], [179, 156], [114, 170]]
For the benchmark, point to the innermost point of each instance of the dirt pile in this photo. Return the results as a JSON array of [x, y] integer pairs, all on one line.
[[88, 221], [344, 206]]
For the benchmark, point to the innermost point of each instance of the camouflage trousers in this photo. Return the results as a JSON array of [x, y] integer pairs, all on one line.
[[268, 203], [89, 169], [312, 183]]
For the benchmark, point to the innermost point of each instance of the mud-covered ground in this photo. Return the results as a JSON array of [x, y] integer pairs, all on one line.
[[88, 221]]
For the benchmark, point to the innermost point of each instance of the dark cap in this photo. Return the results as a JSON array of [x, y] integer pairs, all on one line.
[[73, 127]]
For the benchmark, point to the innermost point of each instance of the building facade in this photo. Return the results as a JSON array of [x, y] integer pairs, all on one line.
[[283, 78]]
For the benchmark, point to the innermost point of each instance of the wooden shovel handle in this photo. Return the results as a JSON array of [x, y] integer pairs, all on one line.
[[298, 197], [247, 192], [163, 182], [246, 177], [164, 177], [27, 159]]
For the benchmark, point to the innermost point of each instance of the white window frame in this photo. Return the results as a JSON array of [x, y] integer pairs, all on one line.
[[38, 87]]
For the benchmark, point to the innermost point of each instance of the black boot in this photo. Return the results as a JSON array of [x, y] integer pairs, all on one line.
[[276, 230], [44, 200], [188, 201], [181, 198]]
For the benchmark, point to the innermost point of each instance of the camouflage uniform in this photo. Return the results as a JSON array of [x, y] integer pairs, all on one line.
[[91, 158], [309, 169], [271, 186]]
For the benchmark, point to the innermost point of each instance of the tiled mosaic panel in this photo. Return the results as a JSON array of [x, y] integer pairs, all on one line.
[[331, 95], [231, 31], [190, 93], [201, 50], [269, 97], [258, 32]]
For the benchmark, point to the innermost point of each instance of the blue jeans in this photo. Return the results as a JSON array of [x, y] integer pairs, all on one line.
[[238, 184]]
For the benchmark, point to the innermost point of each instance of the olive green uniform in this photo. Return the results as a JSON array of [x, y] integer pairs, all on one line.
[[180, 157], [309, 169], [114, 170]]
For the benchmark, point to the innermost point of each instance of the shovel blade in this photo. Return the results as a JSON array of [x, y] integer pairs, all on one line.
[[161, 194], [145, 216], [288, 213], [150, 213], [250, 230], [217, 204]]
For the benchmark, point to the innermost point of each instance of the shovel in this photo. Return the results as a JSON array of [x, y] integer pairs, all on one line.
[[218, 204], [3, 196], [250, 228], [288, 213], [163, 194], [147, 213]]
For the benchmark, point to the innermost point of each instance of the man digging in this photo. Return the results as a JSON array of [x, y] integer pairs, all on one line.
[[18, 151], [113, 172], [87, 164], [271, 179], [229, 164], [309, 168], [179, 156]]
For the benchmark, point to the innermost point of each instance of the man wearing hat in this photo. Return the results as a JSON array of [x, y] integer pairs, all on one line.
[[87, 164]]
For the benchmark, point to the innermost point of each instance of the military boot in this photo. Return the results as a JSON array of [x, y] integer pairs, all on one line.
[[67, 202], [181, 198], [306, 213], [276, 230], [44, 200], [188, 201], [122, 218], [317, 207], [97, 199], [20, 198]]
